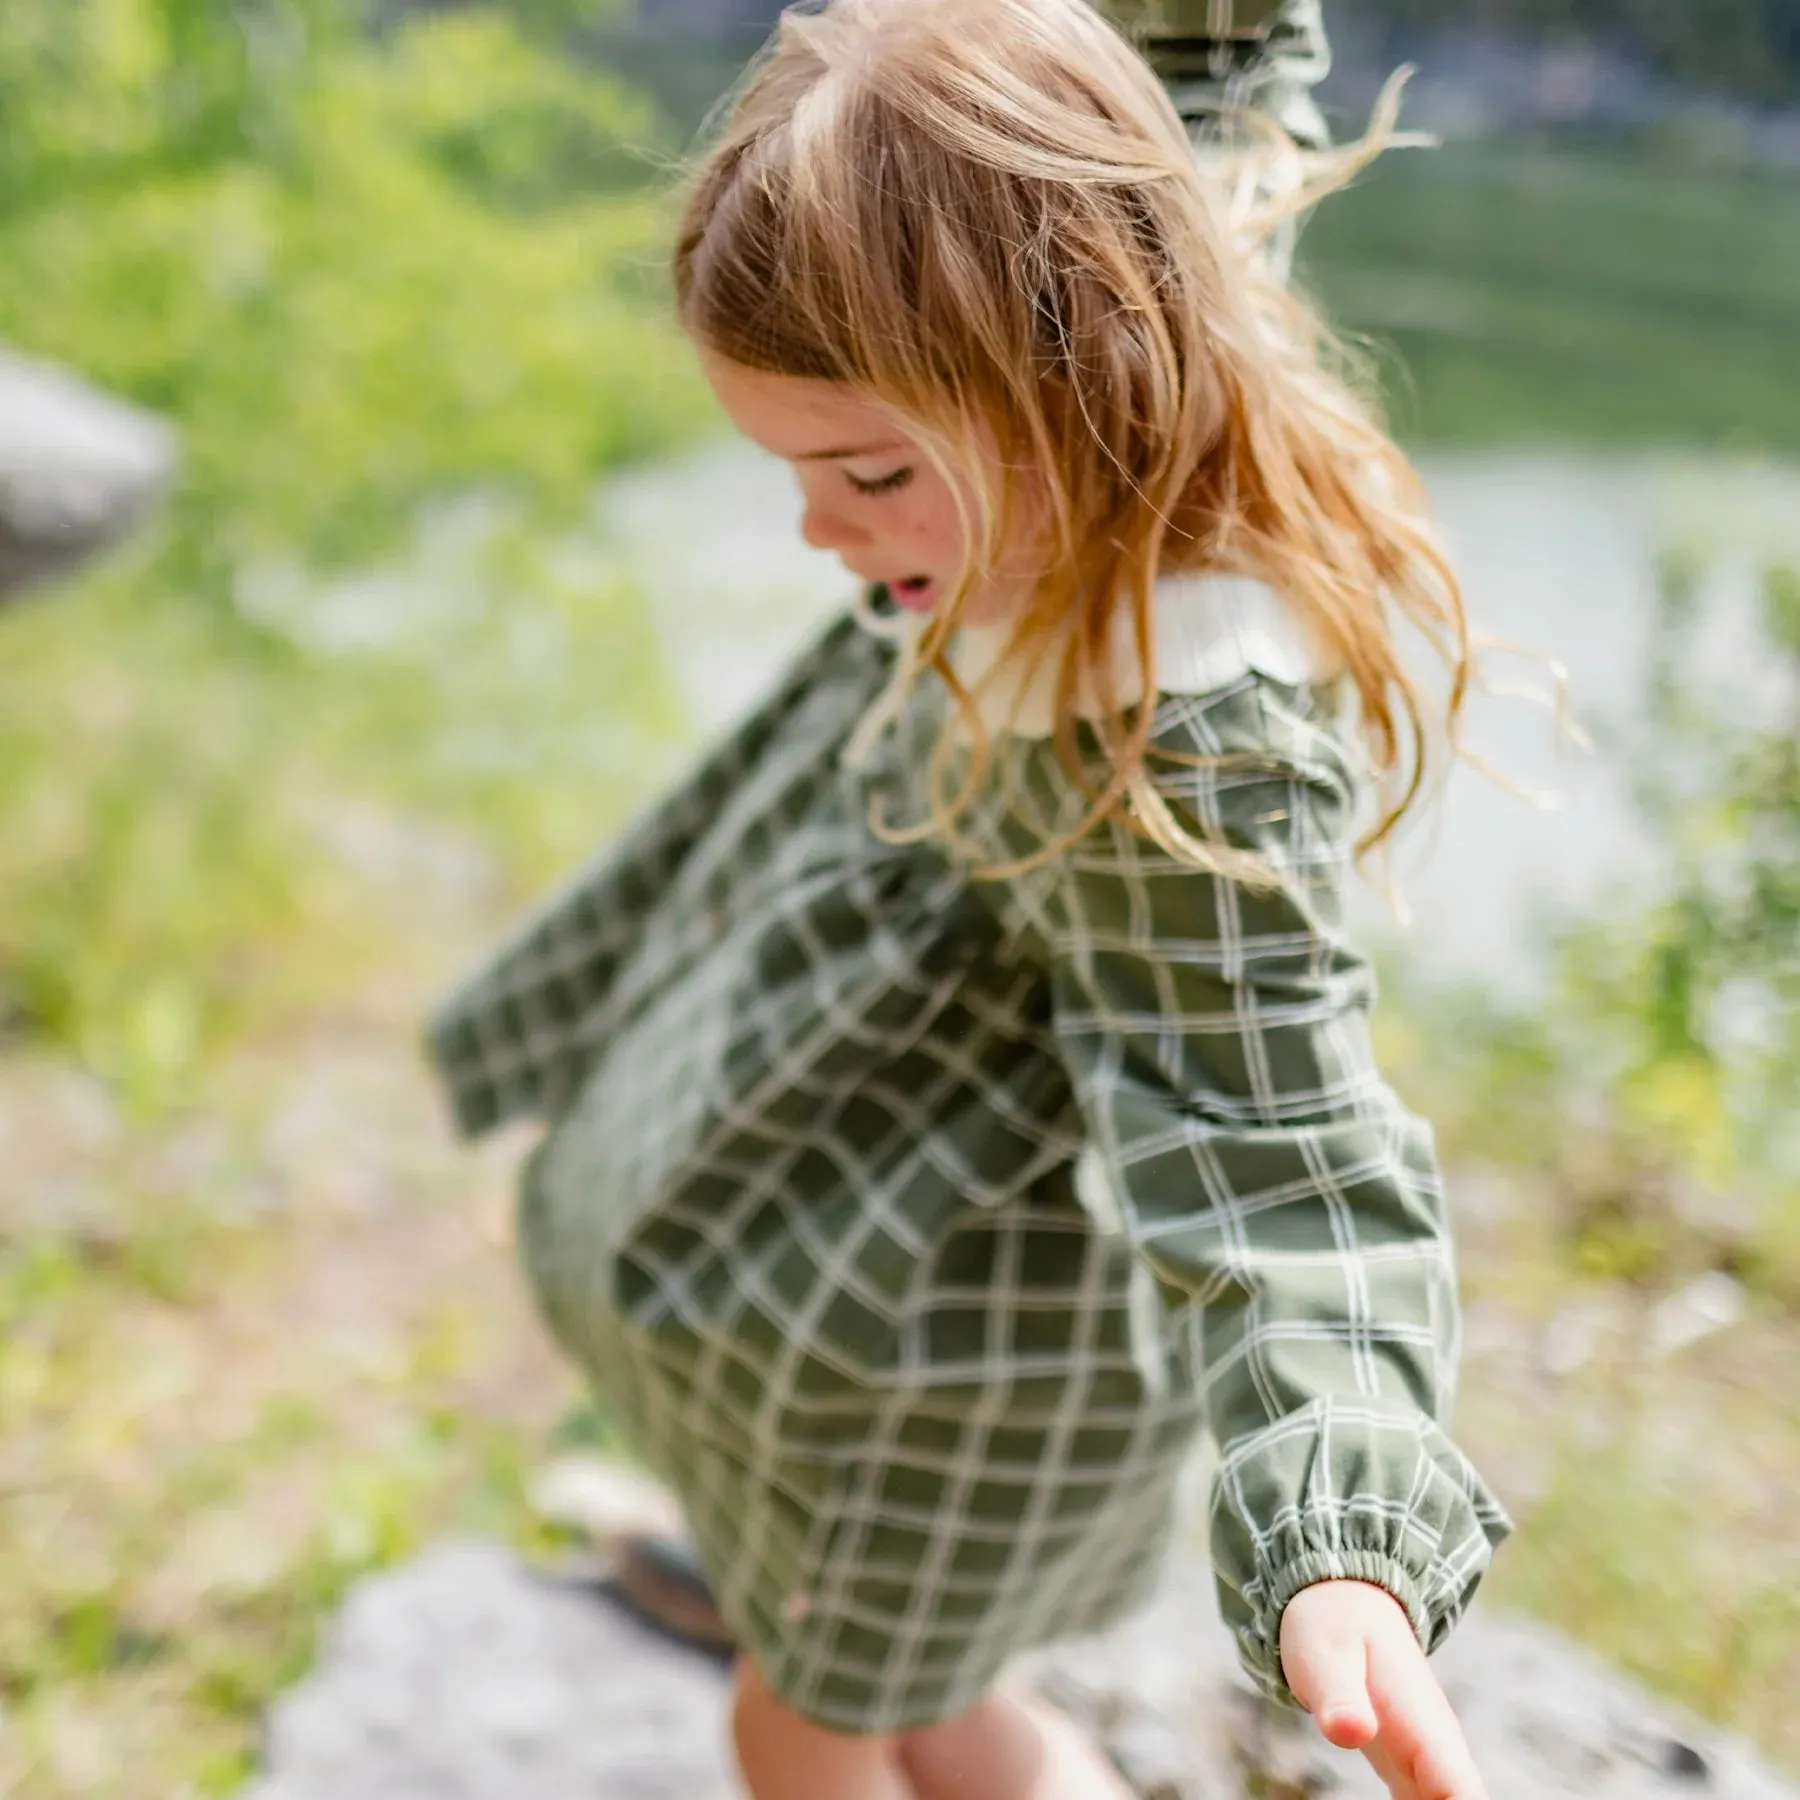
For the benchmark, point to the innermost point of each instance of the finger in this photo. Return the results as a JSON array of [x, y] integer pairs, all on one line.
[[1444, 1771], [1421, 1739], [1394, 1778], [1426, 1777], [1329, 1675]]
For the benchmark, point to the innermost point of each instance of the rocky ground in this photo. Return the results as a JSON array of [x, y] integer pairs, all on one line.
[[468, 1676]]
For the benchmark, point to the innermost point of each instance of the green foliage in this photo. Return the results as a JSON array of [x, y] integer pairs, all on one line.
[[361, 275], [1657, 1094], [411, 283], [1704, 986], [126, 869], [98, 91], [523, 130], [170, 793]]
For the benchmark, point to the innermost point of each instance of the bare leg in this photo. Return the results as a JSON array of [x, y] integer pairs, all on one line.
[[1010, 1747], [785, 1757]]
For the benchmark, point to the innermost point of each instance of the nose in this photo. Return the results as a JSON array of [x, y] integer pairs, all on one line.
[[825, 528]]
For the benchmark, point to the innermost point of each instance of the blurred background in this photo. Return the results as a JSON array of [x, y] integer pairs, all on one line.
[[369, 550]]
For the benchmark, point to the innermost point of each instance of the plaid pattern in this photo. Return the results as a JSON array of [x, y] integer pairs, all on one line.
[[917, 1226], [1223, 59], [1219, 57]]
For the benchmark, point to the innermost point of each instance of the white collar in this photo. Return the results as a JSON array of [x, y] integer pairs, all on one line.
[[1208, 630]]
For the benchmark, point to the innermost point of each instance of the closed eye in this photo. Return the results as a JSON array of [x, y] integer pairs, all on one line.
[[887, 484]]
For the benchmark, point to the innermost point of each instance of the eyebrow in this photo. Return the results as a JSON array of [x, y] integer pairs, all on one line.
[[854, 450]]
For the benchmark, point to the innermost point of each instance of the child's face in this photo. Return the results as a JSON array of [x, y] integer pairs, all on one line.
[[871, 494]]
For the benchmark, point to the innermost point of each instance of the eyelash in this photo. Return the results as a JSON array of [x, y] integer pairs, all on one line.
[[888, 484]]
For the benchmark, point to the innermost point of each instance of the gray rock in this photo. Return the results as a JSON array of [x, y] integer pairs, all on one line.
[[78, 470], [467, 1676]]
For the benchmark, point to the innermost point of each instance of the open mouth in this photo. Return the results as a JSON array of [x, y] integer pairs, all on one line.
[[915, 591]]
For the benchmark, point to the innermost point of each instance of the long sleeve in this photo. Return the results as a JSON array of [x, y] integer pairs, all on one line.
[[517, 1037], [1243, 1138]]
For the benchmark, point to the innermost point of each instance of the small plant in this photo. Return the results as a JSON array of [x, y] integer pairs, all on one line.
[[1657, 1094]]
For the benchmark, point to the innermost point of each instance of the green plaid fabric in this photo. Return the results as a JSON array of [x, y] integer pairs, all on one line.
[[1219, 57], [917, 1226]]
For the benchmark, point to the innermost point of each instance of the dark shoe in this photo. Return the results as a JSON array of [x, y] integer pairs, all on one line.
[[661, 1579]]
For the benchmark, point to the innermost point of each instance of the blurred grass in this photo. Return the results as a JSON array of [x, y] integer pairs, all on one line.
[[258, 1335], [1521, 296], [1651, 1486], [171, 790], [188, 1485]]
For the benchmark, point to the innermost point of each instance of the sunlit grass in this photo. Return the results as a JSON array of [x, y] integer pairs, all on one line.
[[185, 801], [189, 1487], [1651, 1490], [259, 1332]]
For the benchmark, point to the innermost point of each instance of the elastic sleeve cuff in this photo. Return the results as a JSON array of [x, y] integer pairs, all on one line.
[[1385, 1572], [1352, 1490]]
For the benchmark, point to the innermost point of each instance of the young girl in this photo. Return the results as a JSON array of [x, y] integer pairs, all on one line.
[[960, 1091]]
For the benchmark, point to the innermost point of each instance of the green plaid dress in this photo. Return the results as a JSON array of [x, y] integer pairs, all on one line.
[[918, 1225]]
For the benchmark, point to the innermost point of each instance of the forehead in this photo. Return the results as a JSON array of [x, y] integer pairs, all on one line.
[[794, 417]]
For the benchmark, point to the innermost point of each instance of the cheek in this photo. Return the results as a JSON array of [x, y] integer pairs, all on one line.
[[932, 524], [940, 525]]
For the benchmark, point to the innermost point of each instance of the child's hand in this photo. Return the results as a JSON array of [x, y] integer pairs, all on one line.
[[1352, 1661]]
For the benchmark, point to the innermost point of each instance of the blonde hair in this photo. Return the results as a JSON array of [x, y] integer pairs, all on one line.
[[986, 217]]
